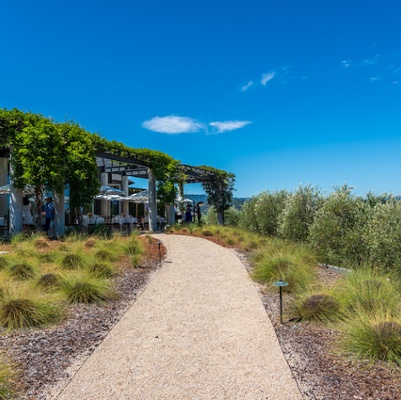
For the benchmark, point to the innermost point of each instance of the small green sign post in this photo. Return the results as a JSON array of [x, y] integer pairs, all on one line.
[[280, 285]]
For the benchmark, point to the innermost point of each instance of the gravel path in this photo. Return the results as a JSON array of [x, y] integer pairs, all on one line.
[[198, 331]]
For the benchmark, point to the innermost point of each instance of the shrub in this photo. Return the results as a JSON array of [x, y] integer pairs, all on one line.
[[248, 220], [331, 234], [22, 271], [384, 236], [299, 213], [231, 216], [268, 208]]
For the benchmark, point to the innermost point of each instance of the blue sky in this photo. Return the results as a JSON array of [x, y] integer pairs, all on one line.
[[279, 93]]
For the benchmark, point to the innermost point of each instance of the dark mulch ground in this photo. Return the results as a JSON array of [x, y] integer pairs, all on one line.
[[321, 372], [45, 357]]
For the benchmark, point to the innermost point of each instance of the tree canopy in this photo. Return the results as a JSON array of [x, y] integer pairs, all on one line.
[[51, 155]]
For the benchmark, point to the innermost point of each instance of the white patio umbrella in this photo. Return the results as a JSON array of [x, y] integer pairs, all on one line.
[[5, 189], [108, 190], [140, 197]]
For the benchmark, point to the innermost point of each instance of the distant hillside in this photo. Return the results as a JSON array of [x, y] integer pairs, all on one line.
[[237, 201]]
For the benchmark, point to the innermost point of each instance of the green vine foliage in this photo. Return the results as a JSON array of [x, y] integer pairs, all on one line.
[[80, 172], [219, 190], [51, 155]]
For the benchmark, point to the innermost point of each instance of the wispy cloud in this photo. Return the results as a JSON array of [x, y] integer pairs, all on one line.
[[173, 125], [247, 86], [267, 77], [377, 67], [220, 126], [346, 63]]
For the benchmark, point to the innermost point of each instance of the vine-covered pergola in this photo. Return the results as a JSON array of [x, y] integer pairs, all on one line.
[[47, 155]]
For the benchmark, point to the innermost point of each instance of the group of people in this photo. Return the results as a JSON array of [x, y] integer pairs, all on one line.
[[47, 212], [192, 214]]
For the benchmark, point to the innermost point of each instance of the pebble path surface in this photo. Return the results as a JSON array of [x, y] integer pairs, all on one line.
[[198, 331]]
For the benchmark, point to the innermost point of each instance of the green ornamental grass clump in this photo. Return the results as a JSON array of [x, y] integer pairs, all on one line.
[[22, 271], [102, 270], [317, 306], [369, 290], [41, 244], [24, 312], [375, 338], [48, 281], [4, 263], [105, 255], [133, 247], [86, 289], [72, 261], [7, 378]]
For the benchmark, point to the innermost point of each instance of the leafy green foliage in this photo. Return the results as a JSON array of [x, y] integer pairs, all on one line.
[[248, 220], [384, 233], [299, 213], [268, 208], [334, 223]]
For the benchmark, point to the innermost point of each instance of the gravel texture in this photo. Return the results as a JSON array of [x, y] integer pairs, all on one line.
[[48, 359], [198, 331]]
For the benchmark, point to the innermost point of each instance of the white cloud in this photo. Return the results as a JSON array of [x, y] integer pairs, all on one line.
[[173, 125], [221, 127], [267, 77], [346, 63], [247, 86]]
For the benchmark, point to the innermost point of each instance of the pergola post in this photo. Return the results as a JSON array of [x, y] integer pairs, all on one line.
[[104, 181], [3, 181], [59, 214], [220, 210], [125, 204], [16, 196], [170, 214], [152, 201]]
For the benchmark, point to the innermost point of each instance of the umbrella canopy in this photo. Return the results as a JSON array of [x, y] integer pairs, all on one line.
[[108, 190], [110, 197], [140, 197], [5, 189]]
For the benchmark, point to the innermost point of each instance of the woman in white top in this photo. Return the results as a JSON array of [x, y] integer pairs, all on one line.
[[26, 212]]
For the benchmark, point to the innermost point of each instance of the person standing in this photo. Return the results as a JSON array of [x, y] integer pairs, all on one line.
[[48, 210], [198, 211], [26, 213]]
